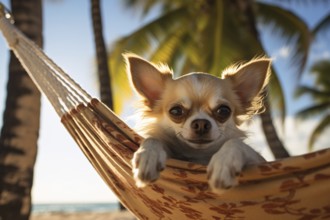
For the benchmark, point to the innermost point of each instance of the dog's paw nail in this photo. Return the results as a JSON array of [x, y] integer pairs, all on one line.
[[153, 180], [209, 174], [160, 167], [136, 162], [226, 187], [218, 184], [143, 176]]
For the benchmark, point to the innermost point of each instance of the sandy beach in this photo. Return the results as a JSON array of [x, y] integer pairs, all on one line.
[[84, 216]]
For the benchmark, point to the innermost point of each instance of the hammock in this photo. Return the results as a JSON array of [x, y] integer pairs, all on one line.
[[292, 188]]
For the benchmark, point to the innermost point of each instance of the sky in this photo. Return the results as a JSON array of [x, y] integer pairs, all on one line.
[[62, 173]]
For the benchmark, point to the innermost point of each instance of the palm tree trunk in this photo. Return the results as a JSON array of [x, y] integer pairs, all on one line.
[[269, 130], [101, 54], [19, 134], [246, 8], [102, 59]]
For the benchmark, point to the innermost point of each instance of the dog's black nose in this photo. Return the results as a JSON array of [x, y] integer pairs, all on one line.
[[201, 126]]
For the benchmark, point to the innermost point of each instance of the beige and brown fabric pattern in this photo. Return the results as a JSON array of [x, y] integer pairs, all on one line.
[[293, 188]]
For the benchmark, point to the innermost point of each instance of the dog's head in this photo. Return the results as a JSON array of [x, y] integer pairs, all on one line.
[[199, 109]]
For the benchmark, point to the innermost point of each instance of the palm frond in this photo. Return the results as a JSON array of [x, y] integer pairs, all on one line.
[[218, 32], [320, 128], [277, 95], [322, 26], [290, 27], [236, 43], [313, 92], [192, 52], [142, 41], [143, 6], [314, 110], [186, 66], [165, 49], [321, 70]]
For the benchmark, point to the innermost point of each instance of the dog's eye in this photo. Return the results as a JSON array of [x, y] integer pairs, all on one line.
[[177, 111], [222, 113]]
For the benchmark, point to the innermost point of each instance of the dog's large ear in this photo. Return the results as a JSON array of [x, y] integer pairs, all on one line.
[[147, 79], [249, 80]]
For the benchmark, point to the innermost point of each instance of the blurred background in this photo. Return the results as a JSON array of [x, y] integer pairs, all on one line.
[[200, 35]]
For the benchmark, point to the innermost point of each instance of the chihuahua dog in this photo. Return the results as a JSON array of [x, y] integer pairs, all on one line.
[[196, 118]]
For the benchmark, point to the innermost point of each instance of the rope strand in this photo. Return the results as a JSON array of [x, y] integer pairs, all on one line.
[[61, 90]]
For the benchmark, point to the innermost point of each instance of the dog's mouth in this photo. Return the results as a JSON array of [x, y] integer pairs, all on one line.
[[199, 141]]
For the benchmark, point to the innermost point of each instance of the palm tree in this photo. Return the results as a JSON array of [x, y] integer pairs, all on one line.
[[209, 35], [19, 134], [321, 98], [320, 92], [102, 59], [101, 54]]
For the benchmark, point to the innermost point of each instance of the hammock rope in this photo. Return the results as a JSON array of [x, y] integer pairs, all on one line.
[[37, 64], [293, 188]]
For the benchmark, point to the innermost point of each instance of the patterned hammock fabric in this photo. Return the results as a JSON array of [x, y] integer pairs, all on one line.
[[293, 188]]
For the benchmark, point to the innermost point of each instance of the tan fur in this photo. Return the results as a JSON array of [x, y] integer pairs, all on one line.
[[196, 117], [256, 105]]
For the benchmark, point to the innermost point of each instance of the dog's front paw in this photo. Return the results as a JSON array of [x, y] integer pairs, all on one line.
[[225, 166], [148, 162]]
